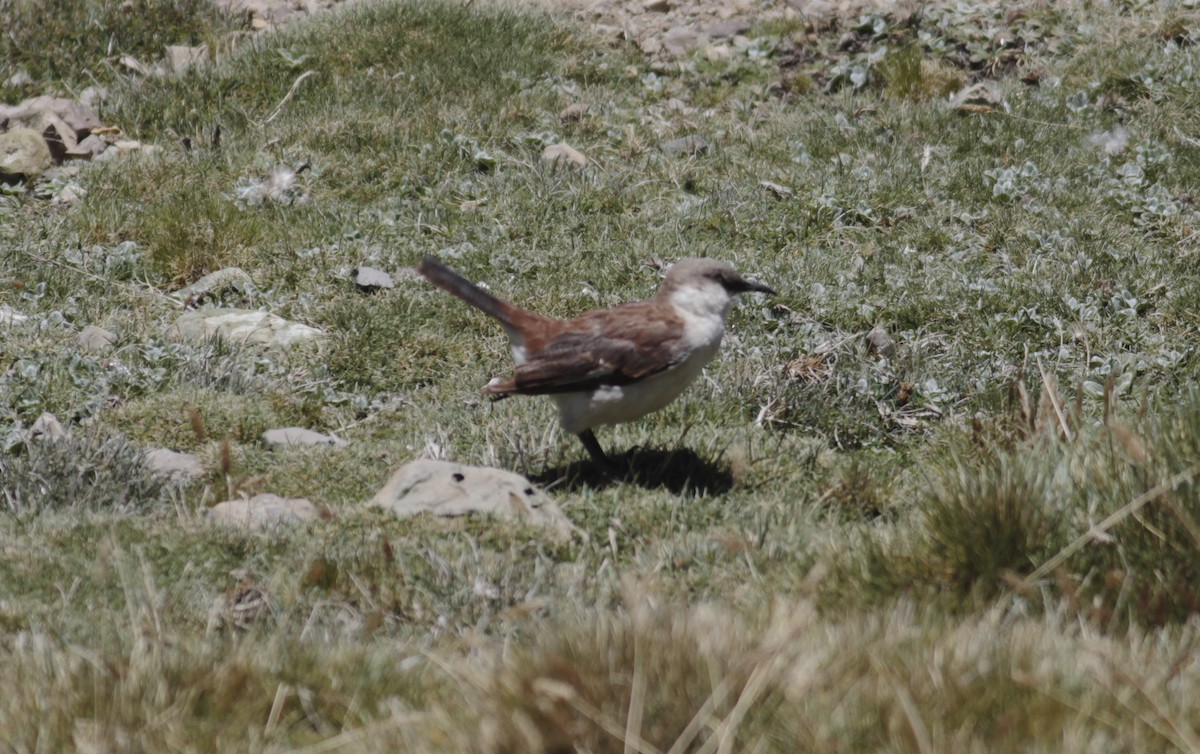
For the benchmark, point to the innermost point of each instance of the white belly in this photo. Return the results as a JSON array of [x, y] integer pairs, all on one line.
[[615, 404]]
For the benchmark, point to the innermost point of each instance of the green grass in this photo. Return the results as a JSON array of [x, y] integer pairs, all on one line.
[[819, 549]]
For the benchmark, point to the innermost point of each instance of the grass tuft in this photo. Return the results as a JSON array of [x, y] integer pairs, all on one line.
[[88, 471]]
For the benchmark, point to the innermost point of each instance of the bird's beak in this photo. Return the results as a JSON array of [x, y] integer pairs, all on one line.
[[754, 285]]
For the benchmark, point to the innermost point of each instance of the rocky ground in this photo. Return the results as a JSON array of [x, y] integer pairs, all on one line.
[[673, 27]]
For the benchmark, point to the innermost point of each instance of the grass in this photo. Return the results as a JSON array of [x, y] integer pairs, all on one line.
[[820, 548]]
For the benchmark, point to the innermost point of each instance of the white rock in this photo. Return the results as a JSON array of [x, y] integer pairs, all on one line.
[[299, 436], [95, 339], [680, 40], [179, 58], [10, 316], [263, 512], [23, 152], [878, 341], [47, 427], [175, 466], [692, 144], [444, 488], [242, 326], [564, 154], [371, 279], [574, 112], [229, 278]]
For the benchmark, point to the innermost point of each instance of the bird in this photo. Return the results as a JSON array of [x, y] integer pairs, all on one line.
[[610, 366]]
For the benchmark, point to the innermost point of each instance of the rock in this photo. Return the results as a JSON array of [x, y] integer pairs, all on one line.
[[37, 111], [72, 192], [23, 154], [47, 427], [652, 46], [175, 466], [10, 316], [18, 80], [724, 29], [656, 6], [299, 436], [59, 137], [229, 279], [681, 40], [179, 58], [136, 65], [450, 489], [89, 147], [574, 112], [243, 326], [718, 53], [564, 154], [369, 279], [692, 144], [878, 341], [264, 511], [95, 339], [780, 192], [93, 97], [979, 97]]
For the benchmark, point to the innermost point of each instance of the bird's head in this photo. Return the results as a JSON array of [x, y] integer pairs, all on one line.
[[706, 285]]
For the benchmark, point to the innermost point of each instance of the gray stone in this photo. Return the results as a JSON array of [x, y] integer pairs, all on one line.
[[656, 6], [10, 316], [985, 94], [299, 436], [681, 40], [780, 192], [93, 96], [692, 144], [230, 278], [574, 112], [95, 339], [451, 489], [878, 341], [652, 45], [264, 511], [35, 112], [564, 154], [179, 58], [724, 29], [175, 466], [23, 153], [47, 427], [89, 147], [369, 279], [252, 328]]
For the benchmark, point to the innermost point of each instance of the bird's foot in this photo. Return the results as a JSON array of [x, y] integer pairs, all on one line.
[[606, 466]]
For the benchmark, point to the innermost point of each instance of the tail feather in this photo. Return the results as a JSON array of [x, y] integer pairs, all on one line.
[[450, 281]]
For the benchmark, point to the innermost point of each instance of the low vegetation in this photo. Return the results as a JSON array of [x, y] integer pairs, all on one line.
[[978, 531]]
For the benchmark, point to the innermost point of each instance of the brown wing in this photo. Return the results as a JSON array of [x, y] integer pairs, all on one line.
[[605, 347]]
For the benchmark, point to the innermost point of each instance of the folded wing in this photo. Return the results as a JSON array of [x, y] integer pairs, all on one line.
[[606, 347]]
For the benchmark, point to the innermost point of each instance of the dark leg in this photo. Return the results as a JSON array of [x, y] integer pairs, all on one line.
[[594, 450]]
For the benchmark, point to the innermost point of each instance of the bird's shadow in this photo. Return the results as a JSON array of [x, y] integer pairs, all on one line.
[[676, 471]]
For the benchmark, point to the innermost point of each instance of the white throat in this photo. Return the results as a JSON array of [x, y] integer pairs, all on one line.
[[707, 300], [702, 308]]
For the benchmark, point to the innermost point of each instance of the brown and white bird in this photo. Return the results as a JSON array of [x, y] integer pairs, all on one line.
[[611, 365]]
